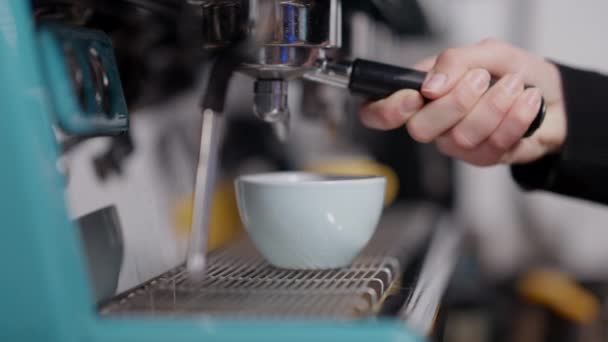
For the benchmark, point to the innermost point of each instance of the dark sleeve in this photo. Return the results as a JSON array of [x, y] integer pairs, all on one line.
[[581, 168]]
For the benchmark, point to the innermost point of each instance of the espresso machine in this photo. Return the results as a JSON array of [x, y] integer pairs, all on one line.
[[62, 85], [276, 43]]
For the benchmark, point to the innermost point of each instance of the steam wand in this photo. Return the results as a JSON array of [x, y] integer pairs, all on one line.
[[212, 106]]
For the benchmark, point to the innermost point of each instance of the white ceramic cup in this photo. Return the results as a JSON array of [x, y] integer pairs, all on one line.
[[303, 220]]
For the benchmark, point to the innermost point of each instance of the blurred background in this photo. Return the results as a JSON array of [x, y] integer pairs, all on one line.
[[536, 267]]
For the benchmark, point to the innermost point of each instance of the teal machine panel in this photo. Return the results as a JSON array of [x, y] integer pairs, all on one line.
[[84, 86], [45, 292]]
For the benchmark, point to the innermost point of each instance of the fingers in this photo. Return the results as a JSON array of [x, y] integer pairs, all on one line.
[[517, 121], [395, 110], [489, 112], [444, 74], [467, 118], [504, 144], [392, 112], [469, 115], [497, 57], [483, 155], [439, 116]]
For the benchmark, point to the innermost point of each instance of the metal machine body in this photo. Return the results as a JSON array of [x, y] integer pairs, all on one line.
[[46, 295]]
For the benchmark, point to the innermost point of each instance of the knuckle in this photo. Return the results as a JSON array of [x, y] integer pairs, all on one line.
[[381, 116], [496, 105], [445, 145], [461, 100], [443, 149], [374, 115], [486, 158], [391, 113], [499, 142], [442, 146], [460, 139], [385, 115], [448, 56], [521, 120], [418, 133]]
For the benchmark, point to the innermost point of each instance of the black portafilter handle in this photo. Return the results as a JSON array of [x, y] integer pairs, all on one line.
[[377, 80]]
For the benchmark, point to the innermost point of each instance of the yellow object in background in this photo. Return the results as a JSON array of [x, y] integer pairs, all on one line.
[[561, 294], [225, 224], [361, 167]]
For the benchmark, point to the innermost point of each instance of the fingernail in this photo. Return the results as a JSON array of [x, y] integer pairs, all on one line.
[[513, 84], [435, 82], [533, 97], [408, 105], [479, 79]]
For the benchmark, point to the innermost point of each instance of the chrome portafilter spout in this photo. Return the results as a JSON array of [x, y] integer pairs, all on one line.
[[270, 104], [270, 100], [301, 30]]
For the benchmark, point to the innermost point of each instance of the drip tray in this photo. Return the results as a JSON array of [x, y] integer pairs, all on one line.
[[240, 283]]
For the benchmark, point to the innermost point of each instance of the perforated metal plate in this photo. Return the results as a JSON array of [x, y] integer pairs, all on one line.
[[240, 283]]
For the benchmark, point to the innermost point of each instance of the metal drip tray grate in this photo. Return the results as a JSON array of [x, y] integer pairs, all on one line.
[[239, 282]]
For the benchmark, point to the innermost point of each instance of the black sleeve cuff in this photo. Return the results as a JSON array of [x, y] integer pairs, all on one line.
[[539, 174], [581, 169]]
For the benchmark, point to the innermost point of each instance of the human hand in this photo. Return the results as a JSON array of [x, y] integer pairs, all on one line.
[[469, 120]]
